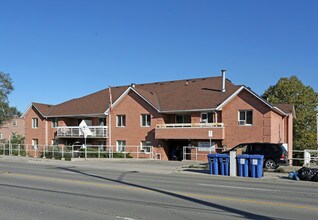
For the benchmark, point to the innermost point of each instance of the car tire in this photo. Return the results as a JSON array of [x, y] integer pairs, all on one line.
[[270, 164]]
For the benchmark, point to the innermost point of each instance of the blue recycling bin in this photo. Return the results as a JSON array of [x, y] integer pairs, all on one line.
[[256, 166], [242, 164], [224, 164], [213, 164]]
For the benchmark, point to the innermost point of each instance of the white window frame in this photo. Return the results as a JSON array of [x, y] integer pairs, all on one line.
[[145, 146], [144, 120], [120, 146], [55, 122], [207, 117], [35, 122], [14, 122], [243, 122], [121, 121]]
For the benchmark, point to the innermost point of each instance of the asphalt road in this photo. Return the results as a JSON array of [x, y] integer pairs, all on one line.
[[65, 190]]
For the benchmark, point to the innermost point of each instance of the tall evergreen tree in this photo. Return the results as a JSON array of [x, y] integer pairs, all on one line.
[[305, 99]]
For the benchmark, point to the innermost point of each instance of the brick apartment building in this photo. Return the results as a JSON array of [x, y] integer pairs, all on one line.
[[165, 115], [10, 128]]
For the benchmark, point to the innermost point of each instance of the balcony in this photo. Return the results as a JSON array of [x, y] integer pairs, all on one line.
[[81, 132], [198, 131]]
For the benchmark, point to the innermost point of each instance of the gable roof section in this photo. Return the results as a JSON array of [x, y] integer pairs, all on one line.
[[200, 94], [42, 108], [93, 104]]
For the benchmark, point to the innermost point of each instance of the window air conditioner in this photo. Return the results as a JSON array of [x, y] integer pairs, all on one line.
[[242, 122]]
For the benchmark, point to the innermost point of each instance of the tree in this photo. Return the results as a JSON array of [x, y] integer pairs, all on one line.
[[17, 138], [305, 99], [6, 87]]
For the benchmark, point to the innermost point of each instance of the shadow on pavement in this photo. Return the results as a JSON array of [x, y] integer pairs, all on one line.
[[200, 171], [246, 215]]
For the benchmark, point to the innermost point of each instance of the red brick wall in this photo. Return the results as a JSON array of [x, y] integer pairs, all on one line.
[[264, 119], [133, 106], [34, 133]]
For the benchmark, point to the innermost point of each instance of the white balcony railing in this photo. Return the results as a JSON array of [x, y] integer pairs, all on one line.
[[77, 131], [192, 125]]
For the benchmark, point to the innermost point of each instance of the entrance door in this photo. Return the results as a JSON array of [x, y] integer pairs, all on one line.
[[176, 149]]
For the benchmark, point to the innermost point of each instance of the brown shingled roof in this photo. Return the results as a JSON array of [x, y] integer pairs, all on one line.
[[201, 93], [191, 94], [287, 108], [42, 108], [93, 104]]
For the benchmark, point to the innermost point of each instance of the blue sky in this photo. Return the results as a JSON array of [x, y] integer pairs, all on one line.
[[57, 50]]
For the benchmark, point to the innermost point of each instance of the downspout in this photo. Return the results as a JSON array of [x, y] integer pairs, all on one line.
[[283, 127], [46, 131]]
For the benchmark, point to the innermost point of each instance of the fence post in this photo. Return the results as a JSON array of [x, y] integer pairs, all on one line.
[[44, 150], [62, 158], [98, 151], [307, 158], [196, 154], [85, 152], [4, 149], [53, 152], [26, 150], [19, 154]]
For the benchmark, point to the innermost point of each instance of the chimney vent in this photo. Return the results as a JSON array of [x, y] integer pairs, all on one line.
[[223, 80]]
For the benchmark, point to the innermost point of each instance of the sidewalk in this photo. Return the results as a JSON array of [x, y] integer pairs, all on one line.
[[141, 165]]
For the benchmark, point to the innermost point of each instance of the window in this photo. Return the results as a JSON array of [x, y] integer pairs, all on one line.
[[121, 120], [35, 143], [182, 119], [121, 146], [14, 122], [55, 122], [207, 117], [35, 123], [146, 146], [145, 120], [245, 117], [101, 121]]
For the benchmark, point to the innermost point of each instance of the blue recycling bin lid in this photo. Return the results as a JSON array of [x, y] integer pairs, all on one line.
[[213, 155], [224, 156], [245, 156], [256, 156]]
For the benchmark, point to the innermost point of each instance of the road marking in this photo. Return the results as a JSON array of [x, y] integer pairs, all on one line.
[[125, 218], [177, 193], [238, 187]]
